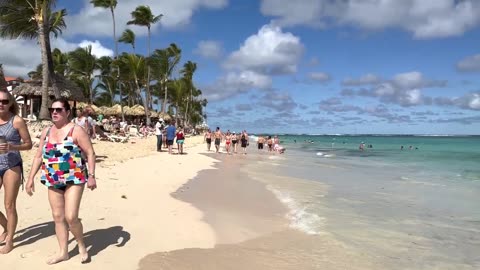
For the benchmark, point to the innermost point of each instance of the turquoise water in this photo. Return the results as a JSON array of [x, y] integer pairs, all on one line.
[[411, 209], [457, 157]]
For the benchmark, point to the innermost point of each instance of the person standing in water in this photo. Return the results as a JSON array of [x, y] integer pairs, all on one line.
[[65, 171], [244, 141], [15, 138]]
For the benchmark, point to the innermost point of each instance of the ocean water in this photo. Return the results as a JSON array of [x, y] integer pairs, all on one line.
[[416, 208]]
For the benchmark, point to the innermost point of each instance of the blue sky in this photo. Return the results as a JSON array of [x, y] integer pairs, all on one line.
[[310, 66]]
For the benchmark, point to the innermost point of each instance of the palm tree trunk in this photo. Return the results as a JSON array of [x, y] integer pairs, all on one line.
[[44, 114], [164, 107], [148, 95], [51, 68], [114, 32], [144, 101]]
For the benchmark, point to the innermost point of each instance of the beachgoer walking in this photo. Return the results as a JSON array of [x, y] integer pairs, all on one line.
[[234, 142], [208, 138], [61, 157], [180, 140], [228, 141], [260, 142], [171, 132], [84, 120], [218, 139], [158, 132], [14, 138], [244, 141]]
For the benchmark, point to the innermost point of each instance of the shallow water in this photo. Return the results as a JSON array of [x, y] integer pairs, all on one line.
[[410, 209]]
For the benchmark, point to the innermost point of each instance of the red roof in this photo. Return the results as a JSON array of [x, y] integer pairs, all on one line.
[[8, 79]]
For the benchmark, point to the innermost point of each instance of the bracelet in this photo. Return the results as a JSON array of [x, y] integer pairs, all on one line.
[[91, 174]]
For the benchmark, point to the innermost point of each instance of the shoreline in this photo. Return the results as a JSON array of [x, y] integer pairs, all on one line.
[[251, 227]]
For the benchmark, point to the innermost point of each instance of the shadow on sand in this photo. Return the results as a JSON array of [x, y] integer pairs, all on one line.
[[34, 233], [97, 240]]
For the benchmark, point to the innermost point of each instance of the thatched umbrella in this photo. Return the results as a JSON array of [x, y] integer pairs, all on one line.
[[103, 109], [33, 90], [164, 116], [114, 110], [137, 110], [153, 114]]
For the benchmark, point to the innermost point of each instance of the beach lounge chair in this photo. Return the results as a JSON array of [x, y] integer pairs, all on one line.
[[116, 138], [133, 131]]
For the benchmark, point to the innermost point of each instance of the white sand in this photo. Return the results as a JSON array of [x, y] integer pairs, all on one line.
[[148, 218]]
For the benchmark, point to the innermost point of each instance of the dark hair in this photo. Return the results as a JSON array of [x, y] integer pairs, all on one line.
[[14, 108], [64, 102]]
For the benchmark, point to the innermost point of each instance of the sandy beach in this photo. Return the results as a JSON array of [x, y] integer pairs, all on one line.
[[130, 215]]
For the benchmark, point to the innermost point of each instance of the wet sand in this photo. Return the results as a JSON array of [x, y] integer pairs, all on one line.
[[251, 228]]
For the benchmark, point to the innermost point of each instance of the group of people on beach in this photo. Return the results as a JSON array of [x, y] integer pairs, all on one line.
[[66, 159], [167, 134], [233, 140]]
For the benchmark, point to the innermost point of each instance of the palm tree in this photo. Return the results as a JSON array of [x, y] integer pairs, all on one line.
[[143, 16], [164, 62], [128, 37], [108, 80], [34, 19], [188, 69], [60, 62], [110, 4], [83, 64], [134, 68]]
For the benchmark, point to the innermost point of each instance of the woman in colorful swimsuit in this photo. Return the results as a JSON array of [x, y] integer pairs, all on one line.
[[16, 138], [61, 157]]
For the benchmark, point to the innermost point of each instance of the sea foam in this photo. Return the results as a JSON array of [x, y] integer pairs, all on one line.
[[299, 216]]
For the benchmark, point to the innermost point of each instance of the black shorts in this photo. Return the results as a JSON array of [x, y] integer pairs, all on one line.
[[217, 141], [209, 140], [234, 141], [260, 146], [169, 142]]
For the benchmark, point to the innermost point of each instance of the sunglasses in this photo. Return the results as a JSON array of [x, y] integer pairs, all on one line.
[[57, 110], [5, 101]]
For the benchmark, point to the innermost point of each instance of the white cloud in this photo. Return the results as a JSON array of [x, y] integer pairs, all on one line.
[[471, 63], [424, 19], [98, 22], [209, 49], [403, 89], [97, 49], [22, 56], [234, 83], [367, 79], [319, 76], [270, 51]]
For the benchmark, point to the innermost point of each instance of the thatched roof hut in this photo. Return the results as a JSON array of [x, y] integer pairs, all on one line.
[[3, 82], [68, 89]]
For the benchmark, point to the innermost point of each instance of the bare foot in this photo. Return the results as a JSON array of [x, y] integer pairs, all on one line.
[[57, 258], [84, 258], [2, 237], [7, 248]]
